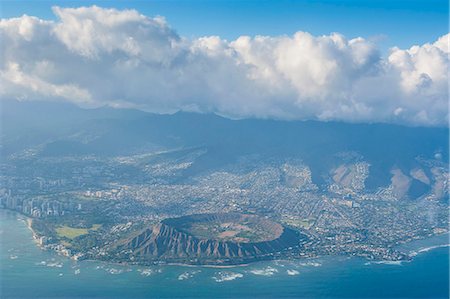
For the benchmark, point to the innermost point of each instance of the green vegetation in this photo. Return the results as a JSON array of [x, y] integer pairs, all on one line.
[[66, 244], [298, 222], [95, 227], [230, 231], [72, 232]]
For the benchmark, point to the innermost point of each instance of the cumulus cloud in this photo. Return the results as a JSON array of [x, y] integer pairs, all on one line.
[[95, 56]]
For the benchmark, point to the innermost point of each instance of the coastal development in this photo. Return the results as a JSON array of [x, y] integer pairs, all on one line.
[[224, 149], [118, 209]]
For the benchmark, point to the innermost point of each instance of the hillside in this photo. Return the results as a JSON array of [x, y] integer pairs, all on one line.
[[173, 240]]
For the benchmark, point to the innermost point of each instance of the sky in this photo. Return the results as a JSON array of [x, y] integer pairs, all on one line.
[[354, 61], [401, 23]]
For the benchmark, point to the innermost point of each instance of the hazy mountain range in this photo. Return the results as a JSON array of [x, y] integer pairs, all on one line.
[[57, 129]]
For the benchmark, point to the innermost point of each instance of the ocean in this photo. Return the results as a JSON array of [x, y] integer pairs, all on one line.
[[29, 272]]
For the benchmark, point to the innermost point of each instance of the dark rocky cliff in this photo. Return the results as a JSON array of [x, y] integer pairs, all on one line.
[[168, 243]]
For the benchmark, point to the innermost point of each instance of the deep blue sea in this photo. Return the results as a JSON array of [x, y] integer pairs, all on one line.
[[29, 272]]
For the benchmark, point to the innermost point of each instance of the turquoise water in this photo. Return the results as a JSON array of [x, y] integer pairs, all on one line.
[[28, 272]]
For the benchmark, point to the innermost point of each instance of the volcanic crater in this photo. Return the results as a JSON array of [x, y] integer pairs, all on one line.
[[220, 238]]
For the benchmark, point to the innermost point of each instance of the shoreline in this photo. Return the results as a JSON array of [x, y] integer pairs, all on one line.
[[35, 236], [411, 253], [107, 280]]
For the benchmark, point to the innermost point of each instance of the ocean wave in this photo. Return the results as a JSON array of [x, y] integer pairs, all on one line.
[[55, 264], [279, 263], [51, 263], [115, 271], [311, 264], [268, 271], [426, 249], [392, 263], [226, 276], [187, 275], [146, 272], [292, 272]]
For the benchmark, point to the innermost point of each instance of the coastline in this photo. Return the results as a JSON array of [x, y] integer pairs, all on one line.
[[35, 236], [30, 227], [208, 266], [411, 253], [107, 280]]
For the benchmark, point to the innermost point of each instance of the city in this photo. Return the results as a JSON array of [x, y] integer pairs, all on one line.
[[340, 217]]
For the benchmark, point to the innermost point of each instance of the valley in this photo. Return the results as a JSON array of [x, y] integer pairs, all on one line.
[[326, 183]]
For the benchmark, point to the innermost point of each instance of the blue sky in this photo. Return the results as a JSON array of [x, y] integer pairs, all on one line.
[[391, 23], [298, 69]]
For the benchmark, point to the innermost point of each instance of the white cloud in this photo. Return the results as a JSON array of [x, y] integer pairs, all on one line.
[[94, 31], [27, 86], [95, 56]]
